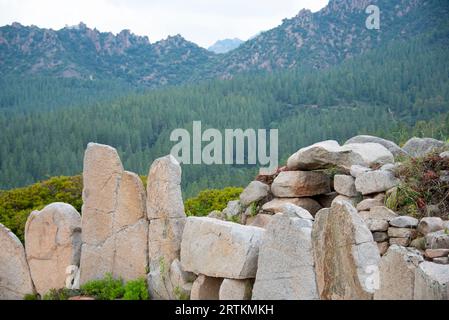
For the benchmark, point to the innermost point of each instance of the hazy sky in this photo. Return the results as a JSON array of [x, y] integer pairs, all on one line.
[[200, 21]]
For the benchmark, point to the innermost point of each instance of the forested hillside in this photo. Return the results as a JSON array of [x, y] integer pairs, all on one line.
[[386, 92]]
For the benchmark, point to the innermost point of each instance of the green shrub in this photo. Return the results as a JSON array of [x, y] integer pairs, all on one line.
[[104, 289], [180, 294], [136, 290], [17, 204], [210, 200], [31, 296], [59, 294]]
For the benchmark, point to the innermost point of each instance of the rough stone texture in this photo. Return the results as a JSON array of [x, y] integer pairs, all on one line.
[[293, 184], [437, 240], [404, 242], [216, 215], [260, 220], [254, 192], [275, 205], [379, 213], [401, 233], [375, 225], [286, 267], [383, 247], [441, 260], [346, 257], [351, 200], [233, 209], [390, 145], [419, 147], [430, 224], [206, 288], [368, 204], [52, 243], [325, 200], [114, 225], [15, 278], [296, 212], [220, 249], [329, 153], [357, 170], [397, 273], [231, 289], [404, 222], [165, 210], [432, 282], [380, 236], [419, 243], [180, 281], [436, 253], [345, 185], [375, 182]]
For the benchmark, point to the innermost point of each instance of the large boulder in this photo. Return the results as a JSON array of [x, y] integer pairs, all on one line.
[[329, 153], [165, 210], [52, 243], [276, 205], [15, 278], [375, 182], [419, 147], [206, 288], [113, 218], [437, 240], [286, 267], [294, 184], [254, 192], [220, 249], [345, 185], [397, 273], [390, 145], [432, 282], [232, 289], [346, 257], [430, 224]]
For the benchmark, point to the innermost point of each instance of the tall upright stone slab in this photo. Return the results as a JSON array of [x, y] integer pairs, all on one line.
[[165, 210], [432, 282], [397, 273], [286, 267], [346, 257], [52, 243], [15, 279], [114, 224]]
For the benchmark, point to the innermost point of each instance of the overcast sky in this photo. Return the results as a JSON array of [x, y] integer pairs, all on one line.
[[200, 21]]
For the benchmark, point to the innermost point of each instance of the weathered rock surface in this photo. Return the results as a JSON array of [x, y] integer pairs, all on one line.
[[401, 233], [329, 153], [233, 209], [293, 211], [293, 184], [260, 220], [276, 205], [436, 253], [368, 204], [232, 289], [357, 170], [379, 213], [375, 182], [52, 243], [419, 147], [375, 225], [346, 257], [397, 273], [430, 224], [114, 224], [404, 222], [390, 145], [432, 282], [286, 267], [437, 240], [206, 288], [404, 242], [380, 236], [254, 192], [220, 249], [345, 185], [325, 200], [165, 210], [352, 200], [181, 282], [15, 279]]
